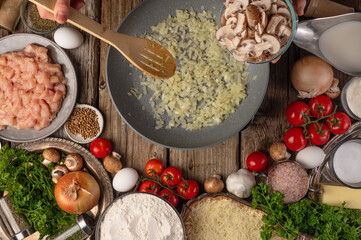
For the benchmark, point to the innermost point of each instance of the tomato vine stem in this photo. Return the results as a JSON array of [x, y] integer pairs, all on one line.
[[160, 183]]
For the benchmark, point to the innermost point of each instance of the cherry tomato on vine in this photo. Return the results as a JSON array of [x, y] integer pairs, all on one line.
[[296, 113], [294, 139], [171, 176], [320, 106], [257, 162], [150, 187], [318, 133], [154, 167], [188, 189], [170, 196], [338, 123], [100, 147]]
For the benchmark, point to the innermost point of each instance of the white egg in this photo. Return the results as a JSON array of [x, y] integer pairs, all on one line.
[[68, 38], [310, 157], [125, 179]]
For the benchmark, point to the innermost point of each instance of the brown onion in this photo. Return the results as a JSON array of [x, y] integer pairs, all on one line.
[[77, 192], [311, 76]]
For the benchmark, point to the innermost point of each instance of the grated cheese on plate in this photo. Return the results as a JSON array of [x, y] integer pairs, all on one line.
[[223, 218]]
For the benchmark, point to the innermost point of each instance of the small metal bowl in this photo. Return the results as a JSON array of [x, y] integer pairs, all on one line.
[[25, 9], [332, 164], [285, 47], [344, 102], [101, 219]]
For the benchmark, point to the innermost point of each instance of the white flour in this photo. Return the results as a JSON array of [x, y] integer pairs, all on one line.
[[141, 217]]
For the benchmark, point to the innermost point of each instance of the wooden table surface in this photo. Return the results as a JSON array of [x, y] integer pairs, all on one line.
[[268, 125]]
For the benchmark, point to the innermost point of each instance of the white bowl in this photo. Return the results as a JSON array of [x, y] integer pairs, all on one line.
[[78, 138]]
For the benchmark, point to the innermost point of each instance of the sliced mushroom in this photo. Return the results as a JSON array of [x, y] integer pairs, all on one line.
[[270, 43], [265, 5], [236, 41], [251, 32], [284, 30], [274, 23], [286, 13], [224, 33], [246, 47], [232, 21], [50, 156], [258, 37], [241, 58], [261, 26], [236, 6], [241, 23], [284, 40], [232, 44], [281, 4], [228, 2], [58, 172], [273, 9], [74, 162], [252, 14]]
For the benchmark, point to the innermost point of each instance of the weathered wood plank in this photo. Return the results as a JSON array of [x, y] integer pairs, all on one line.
[[135, 150]]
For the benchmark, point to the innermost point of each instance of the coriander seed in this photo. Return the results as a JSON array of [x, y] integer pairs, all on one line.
[[83, 122]]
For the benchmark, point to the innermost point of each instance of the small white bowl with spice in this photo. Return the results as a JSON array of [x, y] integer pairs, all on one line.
[[85, 124]]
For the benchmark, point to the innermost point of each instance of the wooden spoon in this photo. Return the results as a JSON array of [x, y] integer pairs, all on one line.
[[148, 56]]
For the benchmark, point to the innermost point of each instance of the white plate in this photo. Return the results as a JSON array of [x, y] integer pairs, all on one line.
[[17, 42], [78, 138]]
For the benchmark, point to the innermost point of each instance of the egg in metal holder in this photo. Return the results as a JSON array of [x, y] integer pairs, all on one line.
[[78, 138]]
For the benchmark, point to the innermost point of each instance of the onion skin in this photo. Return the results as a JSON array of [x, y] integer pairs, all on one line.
[[311, 76], [80, 199]]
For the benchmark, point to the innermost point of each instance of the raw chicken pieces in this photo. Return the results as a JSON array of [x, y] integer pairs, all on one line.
[[31, 88]]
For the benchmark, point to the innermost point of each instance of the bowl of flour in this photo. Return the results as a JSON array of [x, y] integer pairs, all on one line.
[[140, 216]]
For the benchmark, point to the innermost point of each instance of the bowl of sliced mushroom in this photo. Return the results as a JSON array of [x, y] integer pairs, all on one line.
[[256, 31]]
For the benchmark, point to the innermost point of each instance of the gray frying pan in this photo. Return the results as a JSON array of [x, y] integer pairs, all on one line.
[[120, 76]]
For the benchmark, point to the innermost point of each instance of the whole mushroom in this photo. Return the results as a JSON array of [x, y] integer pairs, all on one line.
[[50, 156], [74, 162], [58, 172], [213, 184], [278, 152], [112, 163]]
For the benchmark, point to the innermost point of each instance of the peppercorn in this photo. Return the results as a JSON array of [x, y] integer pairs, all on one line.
[[83, 121]]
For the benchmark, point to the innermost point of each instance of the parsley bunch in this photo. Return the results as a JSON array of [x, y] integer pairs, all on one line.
[[306, 216], [28, 183]]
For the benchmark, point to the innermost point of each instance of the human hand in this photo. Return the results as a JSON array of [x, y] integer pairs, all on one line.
[[61, 10], [299, 6]]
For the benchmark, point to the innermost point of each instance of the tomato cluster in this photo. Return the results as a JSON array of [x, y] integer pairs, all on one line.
[[170, 179], [313, 122]]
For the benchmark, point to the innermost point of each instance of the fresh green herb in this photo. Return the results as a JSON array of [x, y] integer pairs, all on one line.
[[320, 220], [28, 183]]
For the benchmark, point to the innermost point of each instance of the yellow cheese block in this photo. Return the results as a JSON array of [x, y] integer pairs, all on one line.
[[335, 195]]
